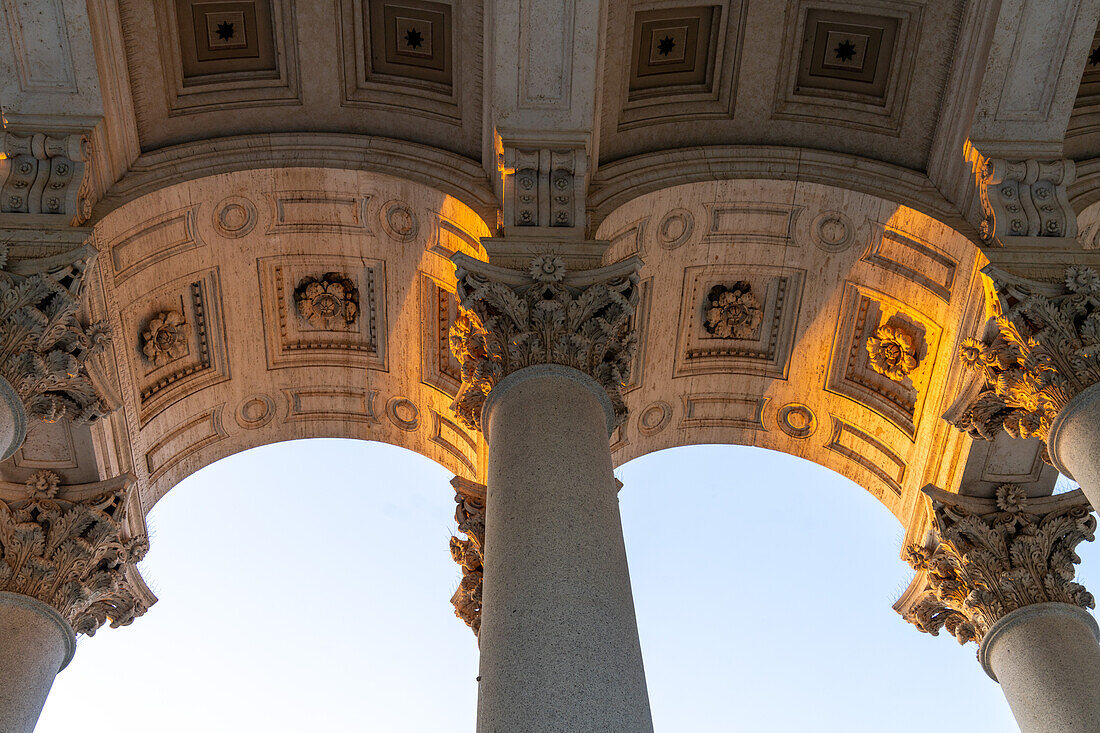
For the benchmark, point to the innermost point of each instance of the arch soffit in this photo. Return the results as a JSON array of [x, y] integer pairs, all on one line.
[[452, 174], [223, 343], [618, 182], [825, 270]]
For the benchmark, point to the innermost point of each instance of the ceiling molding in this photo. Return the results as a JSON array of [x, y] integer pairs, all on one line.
[[452, 174], [617, 183]]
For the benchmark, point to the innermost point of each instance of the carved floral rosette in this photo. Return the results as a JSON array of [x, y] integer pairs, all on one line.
[[44, 348], [1046, 351], [990, 557], [511, 319], [76, 555], [470, 517]]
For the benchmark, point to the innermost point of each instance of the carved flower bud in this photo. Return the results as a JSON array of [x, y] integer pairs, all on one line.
[[43, 484], [1082, 280], [1011, 498], [547, 269]]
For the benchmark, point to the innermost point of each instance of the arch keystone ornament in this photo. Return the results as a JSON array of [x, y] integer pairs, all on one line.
[[999, 571]]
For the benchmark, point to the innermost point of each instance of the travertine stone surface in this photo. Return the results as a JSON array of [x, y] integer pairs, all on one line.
[[35, 644], [559, 640], [1047, 659], [1074, 442]]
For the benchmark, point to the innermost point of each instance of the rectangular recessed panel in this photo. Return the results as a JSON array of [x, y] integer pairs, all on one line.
[[750, 223], [154, 241], [199, 431], [453, 439], [319, 212], [871, 454], [723, 410], [914, 260], [331, 403]]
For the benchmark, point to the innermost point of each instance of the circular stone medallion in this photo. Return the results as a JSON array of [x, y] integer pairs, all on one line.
[[234, 217], [797, 420], [403, 413]]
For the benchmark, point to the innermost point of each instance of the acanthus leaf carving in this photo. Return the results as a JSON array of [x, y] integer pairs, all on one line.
[[990, 557], [44, 347], [76, 555], [468, 552], [511, 319], [1046, 350]]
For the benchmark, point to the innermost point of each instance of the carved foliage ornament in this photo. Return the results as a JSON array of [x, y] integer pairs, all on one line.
[[892, 351], [329, 302], [72, 555], [470, 516], [733, 312], [510, 320], [44, 348], [1046, 351], [993, 557], [165, 338]]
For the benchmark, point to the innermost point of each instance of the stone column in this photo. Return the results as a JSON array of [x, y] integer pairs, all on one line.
[[67, 563], [36, 643], [1000, 572], [1047, 659], [1041, 368], [544, 355]]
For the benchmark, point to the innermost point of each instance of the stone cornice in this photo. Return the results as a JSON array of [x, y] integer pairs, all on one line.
[[447, 172], [988, 557], [76, 551], [512, 319], [1045, 351]]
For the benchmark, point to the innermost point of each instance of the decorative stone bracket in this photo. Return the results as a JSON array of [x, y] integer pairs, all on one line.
[[986, 558], [510, 320], [78, 552], [43, 173], [1046, 350], [468, 553], [1023, 198], [543, 183]]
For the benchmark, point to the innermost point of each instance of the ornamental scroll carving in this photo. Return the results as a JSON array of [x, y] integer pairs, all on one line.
[[511, 319], [45, 174], [44, 348], [1024, 198], [990, 557], [1045, 351], [470, 516], [75, 555]]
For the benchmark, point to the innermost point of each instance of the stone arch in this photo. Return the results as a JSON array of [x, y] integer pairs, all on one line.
[[813, 272], [257, 306]]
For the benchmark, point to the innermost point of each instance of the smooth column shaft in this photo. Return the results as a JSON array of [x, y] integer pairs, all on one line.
[[1074, 442], [559, 639], [35, 644], [1047, 660]]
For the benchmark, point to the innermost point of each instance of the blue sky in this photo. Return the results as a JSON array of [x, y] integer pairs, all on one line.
[[305, 586]]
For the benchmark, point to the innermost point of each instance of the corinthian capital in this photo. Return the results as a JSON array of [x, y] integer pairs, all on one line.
[[1046, 350], [512, 319], [990, 557], [1024, 198], [77, 555]]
